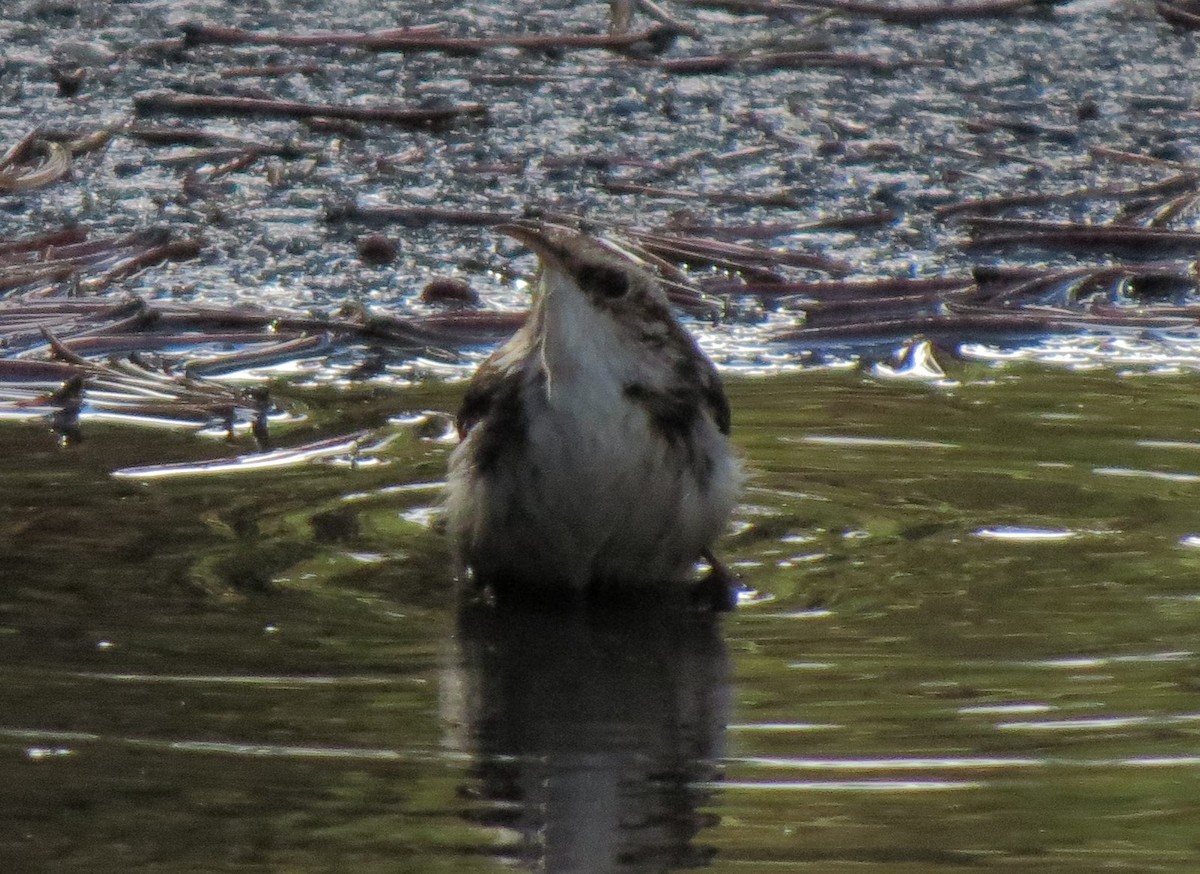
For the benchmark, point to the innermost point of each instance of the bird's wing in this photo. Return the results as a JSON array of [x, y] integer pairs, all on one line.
[[492, 386], [699, 376], [713, 394]]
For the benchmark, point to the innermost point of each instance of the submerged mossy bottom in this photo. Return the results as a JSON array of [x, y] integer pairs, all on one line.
[[974, 645]]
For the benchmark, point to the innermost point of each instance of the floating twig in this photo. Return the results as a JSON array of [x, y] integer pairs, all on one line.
[[746, 259], [1006, 233], [657, 38], [414, 216], [899, 13], [767, 61], [206, 105], [826, 290], [272, 71], [271, 353], [40, 242], [896, 13], [852, 309], [1106, 153], [320, 450], [1182, 14], [984, 206], [1157, 213], [34, 266], [1022, 127], [739, 198], [19, 173], [196, 34]]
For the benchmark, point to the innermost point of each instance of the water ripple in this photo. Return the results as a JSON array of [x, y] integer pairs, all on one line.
[[1147, 474], [351, 445], [1025, 534], [783, 726], [893, 764], [250, 680], [1076, 662], [890, 786], [1098, 723], [1168, 444], [997, 709], [231, 748], [860, 442]]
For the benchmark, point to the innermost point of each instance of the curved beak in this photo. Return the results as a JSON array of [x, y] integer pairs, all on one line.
[[546, 241]]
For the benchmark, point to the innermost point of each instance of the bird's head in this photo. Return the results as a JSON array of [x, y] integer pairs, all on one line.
[[580, 264], [591, 298]]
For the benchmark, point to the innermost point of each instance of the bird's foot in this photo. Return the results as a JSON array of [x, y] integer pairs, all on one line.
[[719, 588]]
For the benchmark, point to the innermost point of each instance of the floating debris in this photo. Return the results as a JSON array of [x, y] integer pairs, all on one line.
[[433, 39], [164, 102], [450, 292], [1179, 184], [1145, 242], [66, 262], [350, 445], [896, 13], [737, 215], [1181, 13], [34, 162], [765, 62], [377, 249]]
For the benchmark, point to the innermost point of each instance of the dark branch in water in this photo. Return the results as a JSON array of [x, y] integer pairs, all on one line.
[[764, 62], [195, 34], [741, 198], [1184, 13], [415, 216], [1010, 233], [984, 206], [157, 357], [896, 13], [272, 71], [432, 39], [209, 105]]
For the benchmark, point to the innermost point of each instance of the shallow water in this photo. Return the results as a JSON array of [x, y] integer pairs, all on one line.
[[974, 645], [972, 641]]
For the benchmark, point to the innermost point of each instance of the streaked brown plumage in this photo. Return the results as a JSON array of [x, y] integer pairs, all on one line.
[[595, 452]]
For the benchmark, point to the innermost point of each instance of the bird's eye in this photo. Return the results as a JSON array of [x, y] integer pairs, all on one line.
[[603, 280]]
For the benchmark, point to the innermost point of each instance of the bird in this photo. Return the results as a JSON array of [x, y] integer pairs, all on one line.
[[594, 454]]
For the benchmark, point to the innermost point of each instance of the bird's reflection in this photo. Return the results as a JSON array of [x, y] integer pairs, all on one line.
[[593, 735]]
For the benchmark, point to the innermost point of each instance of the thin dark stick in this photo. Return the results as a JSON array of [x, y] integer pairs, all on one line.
[[428, 40], [205, 105]]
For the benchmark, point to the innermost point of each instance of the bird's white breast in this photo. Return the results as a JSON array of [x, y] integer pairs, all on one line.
[[597, 493]]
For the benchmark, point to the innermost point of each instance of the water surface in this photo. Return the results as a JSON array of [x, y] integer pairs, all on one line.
[[973, 645]]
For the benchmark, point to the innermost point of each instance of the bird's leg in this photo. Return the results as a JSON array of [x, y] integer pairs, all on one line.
[[719, 587]]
